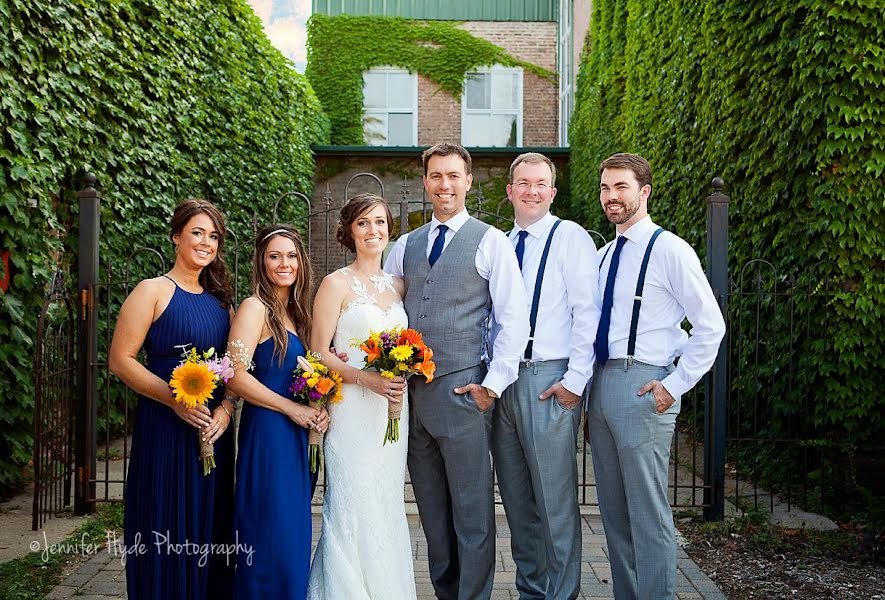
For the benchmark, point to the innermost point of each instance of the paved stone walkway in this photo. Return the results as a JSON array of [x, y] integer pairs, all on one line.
[[102, 577]]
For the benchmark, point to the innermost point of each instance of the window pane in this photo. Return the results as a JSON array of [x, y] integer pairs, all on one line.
[[477, 90], [400, 91], [475, 130], [374, 90], [505, 91], [399, 129], [375, 128], [502, 130]]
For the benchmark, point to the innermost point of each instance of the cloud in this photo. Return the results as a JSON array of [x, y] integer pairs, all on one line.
[[285, 23], [289, 36]]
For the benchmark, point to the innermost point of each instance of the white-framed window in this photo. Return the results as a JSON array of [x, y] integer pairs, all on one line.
[[390, 107], [491, 107]]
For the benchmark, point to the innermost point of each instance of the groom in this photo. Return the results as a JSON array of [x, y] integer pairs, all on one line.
[[462, 280]]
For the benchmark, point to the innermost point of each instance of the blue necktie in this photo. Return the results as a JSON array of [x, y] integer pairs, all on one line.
[[438, 244], [600, 346], [520, 247]]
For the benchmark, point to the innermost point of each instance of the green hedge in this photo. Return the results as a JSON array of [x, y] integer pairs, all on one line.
[[163, 100], [786, 101], [340, 48]]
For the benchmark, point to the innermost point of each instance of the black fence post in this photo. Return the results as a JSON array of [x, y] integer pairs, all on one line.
[[715, 382], [87, 339]]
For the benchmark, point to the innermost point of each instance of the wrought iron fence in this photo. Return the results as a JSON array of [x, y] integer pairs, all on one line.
[[55, 376], [102, 450]]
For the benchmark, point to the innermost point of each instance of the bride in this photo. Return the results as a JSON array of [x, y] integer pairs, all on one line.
[[364, 552]]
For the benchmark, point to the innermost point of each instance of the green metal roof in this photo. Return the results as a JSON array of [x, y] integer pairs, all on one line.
[[445, 10]]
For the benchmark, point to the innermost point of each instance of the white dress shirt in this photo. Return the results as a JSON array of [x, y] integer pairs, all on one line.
[[675, 288], [568, 309], [496, 263]]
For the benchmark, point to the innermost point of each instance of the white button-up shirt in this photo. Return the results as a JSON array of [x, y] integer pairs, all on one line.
[[675, 288], [568, 309], [496, 263]]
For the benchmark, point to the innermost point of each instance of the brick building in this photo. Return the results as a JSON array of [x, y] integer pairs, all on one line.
[[502, 111]]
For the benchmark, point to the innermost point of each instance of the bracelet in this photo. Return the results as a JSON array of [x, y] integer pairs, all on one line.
[[233, 399], [224, 408]]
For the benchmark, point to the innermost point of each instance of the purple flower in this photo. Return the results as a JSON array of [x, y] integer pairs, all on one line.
[[386, 341], [314, 395], [297, 385]]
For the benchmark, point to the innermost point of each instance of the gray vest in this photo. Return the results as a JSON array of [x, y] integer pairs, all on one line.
[[449, 303]]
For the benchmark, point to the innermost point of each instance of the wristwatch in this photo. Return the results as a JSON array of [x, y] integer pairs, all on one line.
[[490, 392]]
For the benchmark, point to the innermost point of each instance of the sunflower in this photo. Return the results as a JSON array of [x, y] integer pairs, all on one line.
[[192, 383]]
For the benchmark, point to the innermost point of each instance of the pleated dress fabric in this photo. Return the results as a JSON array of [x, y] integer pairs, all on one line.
[[178, 523], [274, 488]]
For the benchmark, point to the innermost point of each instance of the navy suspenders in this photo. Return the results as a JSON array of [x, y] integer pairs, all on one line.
[[637, 298], [539, 279]]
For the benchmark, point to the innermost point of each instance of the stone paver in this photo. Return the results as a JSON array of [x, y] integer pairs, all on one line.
[[102, 576]]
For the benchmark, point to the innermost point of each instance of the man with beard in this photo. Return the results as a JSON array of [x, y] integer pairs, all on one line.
[[649, 281]]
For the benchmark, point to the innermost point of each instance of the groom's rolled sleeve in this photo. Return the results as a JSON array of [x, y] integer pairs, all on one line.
[[394, 264], [496, 263]]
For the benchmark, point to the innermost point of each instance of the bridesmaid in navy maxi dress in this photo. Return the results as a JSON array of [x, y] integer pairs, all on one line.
[[173, 513], [273, 491]]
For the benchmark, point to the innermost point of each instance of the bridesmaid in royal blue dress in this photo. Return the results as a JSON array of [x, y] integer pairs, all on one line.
[[173, 513], [272, 500]]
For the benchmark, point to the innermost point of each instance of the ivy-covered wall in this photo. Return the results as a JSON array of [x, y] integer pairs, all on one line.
[[163, 100], [340, 48], [785, 101]]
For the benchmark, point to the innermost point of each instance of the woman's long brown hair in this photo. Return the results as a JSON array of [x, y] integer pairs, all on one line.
[[214, 278], [297, 306]]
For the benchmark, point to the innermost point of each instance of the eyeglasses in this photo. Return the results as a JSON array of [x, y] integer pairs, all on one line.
[[524, 186]]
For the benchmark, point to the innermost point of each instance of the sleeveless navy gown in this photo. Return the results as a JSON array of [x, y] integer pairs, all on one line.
[[274, 488], [172, 511]]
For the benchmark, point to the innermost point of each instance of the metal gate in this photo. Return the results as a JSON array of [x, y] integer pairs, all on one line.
[[54, 401], [102, 425]]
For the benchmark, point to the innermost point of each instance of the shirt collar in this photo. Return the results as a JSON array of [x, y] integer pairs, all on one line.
[[640, 230], [538, 229], [454, 224]]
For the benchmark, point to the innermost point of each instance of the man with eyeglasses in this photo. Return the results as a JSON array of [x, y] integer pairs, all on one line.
[[535, 424]]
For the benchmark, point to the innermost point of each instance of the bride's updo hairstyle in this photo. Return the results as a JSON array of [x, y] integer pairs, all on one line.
[[297, 306], [353, 210]]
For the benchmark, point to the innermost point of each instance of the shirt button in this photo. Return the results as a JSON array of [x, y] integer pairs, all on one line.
[[429, 281], [427, 297]]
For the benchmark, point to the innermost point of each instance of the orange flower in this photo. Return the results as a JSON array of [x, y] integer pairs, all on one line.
[[410, 336], [426, 367], [324, 385], [372, 350]]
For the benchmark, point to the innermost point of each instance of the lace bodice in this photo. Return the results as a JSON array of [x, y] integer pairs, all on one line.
[[369, 309]]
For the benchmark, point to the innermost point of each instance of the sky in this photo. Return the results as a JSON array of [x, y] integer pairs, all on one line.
[[284, 22]]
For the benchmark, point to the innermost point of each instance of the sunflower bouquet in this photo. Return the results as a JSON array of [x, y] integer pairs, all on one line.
[[316, 385], [193, 382], [398, 352]]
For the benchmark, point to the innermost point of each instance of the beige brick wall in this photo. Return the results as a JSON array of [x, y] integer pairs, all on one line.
[[439, 114]]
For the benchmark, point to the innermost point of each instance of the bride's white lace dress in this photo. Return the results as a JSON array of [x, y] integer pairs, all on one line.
[[364, 552]]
